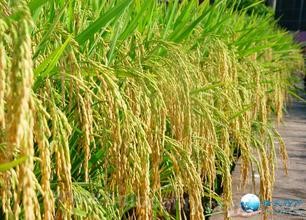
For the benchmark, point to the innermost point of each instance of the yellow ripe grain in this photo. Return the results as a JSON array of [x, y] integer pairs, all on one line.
[[41, 135], [2, 86]]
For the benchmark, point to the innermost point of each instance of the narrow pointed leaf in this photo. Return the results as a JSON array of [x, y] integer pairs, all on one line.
[[6, 166], [102, 21]]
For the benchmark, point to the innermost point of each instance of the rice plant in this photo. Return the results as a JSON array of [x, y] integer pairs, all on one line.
[[130, 109]]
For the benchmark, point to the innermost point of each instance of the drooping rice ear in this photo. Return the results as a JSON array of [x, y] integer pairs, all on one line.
[[86, 124], [5, 177], [3, 61], [42, 134], [19, 114], [60, 131], [282, 150], [84, 103]]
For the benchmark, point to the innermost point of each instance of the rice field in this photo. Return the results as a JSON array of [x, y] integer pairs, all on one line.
[[131, 109]]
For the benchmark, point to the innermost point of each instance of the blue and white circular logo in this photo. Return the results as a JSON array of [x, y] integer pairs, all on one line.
[[250, 203]]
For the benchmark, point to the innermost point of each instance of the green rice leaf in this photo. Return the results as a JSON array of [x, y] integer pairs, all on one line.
[[102, 21], [35, 4], [6, 166], [49, 63]]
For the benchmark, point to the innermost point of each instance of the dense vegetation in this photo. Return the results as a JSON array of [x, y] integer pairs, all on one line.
[[251, 6], [110, 106]]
